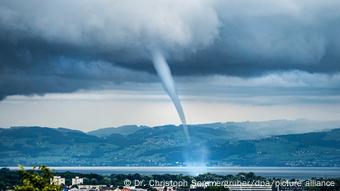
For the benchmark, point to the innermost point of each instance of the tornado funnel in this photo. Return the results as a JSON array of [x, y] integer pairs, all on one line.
[[168, 83]]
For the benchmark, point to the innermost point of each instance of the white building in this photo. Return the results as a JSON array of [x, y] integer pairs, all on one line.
[[57, 180], [76, 180]]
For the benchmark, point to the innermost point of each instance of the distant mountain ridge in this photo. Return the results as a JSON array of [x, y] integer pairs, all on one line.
[[123, 130], [240, 130], [218, 144]]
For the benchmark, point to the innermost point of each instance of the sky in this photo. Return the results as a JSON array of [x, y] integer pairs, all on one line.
[[88, 64]]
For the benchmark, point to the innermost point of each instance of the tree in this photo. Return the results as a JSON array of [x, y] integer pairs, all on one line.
[[36, 180], [8, 178]]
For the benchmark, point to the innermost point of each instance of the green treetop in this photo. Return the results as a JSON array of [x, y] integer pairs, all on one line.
[[36, 180]]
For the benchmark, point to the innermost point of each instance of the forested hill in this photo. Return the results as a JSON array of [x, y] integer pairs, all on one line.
[[166, 145]]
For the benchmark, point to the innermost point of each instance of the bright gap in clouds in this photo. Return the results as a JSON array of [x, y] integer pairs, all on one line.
[[291, 95], [92, 113]]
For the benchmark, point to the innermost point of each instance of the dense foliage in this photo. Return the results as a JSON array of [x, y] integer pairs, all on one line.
[[36, 180], [39, 180], [8, 178]]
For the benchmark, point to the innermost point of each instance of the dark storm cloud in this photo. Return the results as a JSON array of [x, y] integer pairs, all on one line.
[[258, 37], [38, 67], [64, 46]]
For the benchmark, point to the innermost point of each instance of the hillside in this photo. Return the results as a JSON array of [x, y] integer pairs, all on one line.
[[123, 130], [248, 130], [166, 145]]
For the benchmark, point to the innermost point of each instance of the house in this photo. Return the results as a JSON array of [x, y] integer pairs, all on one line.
[[76, 180], [57, 180]]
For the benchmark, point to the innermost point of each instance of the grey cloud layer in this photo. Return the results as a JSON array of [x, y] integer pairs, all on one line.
[[62, 46]]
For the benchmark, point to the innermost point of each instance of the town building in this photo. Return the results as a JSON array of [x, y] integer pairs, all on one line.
[[57, 180], [76, 180]]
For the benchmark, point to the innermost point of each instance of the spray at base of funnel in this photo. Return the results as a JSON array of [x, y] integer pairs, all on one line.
[[164, 74]]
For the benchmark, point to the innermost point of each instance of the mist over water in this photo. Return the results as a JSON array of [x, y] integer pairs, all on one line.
[[168, 83], [195, 157]]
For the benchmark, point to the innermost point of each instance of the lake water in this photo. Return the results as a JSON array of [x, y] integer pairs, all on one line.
[[279, 172]]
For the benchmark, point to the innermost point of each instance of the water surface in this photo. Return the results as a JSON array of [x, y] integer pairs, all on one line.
[[279, 172]]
